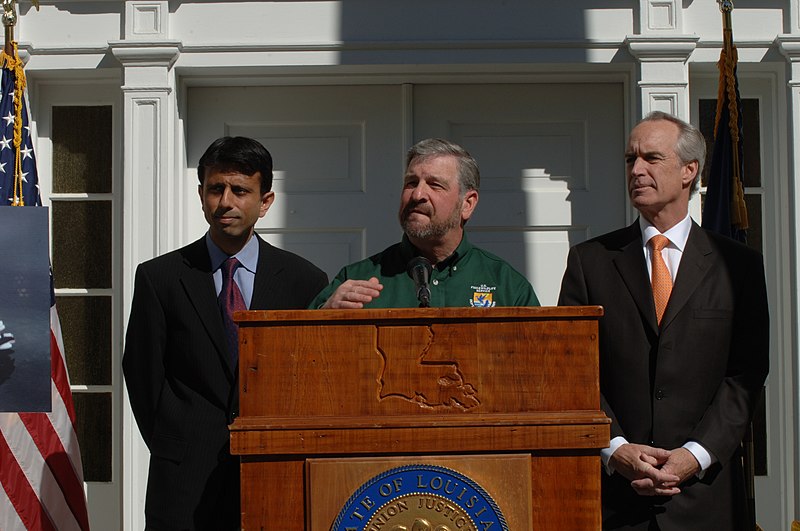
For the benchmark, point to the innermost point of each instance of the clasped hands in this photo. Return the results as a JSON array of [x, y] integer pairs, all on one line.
[[654, 471]]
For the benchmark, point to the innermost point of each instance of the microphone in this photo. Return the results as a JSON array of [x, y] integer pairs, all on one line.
[[419, 269]]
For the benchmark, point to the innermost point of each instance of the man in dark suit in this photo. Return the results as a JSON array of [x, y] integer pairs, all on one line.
[[180, 367], [681, 369]]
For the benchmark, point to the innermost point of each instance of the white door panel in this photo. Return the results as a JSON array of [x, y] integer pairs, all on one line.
[[337, 162], [552, 171], [550, 158]]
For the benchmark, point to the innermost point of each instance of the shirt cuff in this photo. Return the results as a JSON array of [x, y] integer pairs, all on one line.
[[703, 456], [606, 453]]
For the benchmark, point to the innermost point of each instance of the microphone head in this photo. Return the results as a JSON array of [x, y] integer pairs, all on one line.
[[420, 269], [417, 265]]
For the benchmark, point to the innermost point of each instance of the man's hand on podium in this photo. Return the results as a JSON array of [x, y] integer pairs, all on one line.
[[354, 294]]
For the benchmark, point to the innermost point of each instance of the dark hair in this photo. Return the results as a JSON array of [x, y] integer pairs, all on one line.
[[240, 154], [469, 178]]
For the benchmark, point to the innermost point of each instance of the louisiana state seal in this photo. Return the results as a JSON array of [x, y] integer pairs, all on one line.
[[420, 498]]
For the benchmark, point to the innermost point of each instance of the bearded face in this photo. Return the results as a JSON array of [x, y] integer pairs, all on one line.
[[431, 205]]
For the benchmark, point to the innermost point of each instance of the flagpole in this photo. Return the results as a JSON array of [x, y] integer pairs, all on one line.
[[726, 7], [748, 458], [9, 21]]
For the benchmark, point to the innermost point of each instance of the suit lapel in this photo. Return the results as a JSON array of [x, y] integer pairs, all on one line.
[[695, 264], [198, 283], [632, 268]]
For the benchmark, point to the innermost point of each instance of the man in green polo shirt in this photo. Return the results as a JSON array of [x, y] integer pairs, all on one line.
[[440, 193]]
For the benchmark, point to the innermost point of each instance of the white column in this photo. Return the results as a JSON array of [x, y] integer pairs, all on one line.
[[663, 72], [789, 46], [152, 196], [662, 51]]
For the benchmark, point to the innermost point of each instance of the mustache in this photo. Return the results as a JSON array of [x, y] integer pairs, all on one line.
[[415, 205]]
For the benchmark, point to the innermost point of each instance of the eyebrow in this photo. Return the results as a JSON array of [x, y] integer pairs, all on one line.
[[646, 154]]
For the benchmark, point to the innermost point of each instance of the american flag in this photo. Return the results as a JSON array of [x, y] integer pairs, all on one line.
[[41, 474]]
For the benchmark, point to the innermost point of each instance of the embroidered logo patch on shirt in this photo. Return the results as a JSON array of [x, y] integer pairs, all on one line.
[[482, 296]]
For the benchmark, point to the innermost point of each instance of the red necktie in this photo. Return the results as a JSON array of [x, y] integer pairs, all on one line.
[[230, 300], [662, 280]]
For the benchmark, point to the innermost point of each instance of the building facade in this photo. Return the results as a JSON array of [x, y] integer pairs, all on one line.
[[126, 95]]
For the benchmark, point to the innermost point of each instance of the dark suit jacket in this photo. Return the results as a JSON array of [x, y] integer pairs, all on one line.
[[182, 385], [697, 378]]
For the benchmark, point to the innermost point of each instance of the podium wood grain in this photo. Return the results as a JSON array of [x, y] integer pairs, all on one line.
[[411, 382]]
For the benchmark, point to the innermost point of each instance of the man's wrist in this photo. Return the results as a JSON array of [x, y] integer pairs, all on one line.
[[606, 453], [703, 456]]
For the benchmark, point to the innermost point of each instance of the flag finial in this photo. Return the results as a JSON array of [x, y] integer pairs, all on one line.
[[726, 6]]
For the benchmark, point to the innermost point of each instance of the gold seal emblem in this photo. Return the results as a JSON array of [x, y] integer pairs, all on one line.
[[420, 498], [420, 512]]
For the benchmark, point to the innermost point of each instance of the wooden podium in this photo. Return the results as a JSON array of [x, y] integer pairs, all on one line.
[[508, 396]]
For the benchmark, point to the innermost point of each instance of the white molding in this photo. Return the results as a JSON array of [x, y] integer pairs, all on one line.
[[789, 46], [662, 48], [658, 16], [146, 19], [794, 15], [160, 53], [663, 71]]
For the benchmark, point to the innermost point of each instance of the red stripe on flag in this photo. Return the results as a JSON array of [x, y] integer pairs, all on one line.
[[49, 445], [58, 372], [19, 491]]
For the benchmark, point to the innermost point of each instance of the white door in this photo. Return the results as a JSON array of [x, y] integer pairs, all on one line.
[[550, 158], [338, 160], [551, 161]]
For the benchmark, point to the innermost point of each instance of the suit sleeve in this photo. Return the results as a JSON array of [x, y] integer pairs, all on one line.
[[319, 283], [573, 285], [723, 425], [574, 292], [143, 358]]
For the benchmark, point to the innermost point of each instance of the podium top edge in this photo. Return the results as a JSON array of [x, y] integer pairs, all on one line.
[[505, 313]]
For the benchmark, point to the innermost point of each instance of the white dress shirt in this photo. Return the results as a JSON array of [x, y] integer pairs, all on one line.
[[672, 254]]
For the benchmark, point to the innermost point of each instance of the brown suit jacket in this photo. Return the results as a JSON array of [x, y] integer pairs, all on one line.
[[696, 378]]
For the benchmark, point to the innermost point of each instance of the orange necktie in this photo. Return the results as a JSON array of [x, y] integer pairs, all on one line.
[[662, 280]]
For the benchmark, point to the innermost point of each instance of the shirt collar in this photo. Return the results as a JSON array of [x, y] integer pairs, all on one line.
[[409, 251], [247, 255], [677, 235]]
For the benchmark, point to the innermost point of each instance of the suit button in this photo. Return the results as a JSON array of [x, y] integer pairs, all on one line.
[[659, 394]]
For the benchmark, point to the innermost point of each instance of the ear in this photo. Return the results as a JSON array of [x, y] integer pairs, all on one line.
[[689, 173], [468, 204], [200, 193], [266, 201]]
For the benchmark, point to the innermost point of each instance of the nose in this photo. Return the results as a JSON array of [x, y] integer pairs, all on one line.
[[637, 166], [420, 193], [226, 197]]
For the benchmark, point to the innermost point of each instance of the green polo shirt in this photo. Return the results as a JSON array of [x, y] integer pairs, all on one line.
[[468, 277]]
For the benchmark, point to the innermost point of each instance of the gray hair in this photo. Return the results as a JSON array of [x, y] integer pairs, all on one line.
[[691, 145], [469, 177]]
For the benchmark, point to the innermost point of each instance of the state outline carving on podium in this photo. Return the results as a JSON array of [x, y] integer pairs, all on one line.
[[441, 385]]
